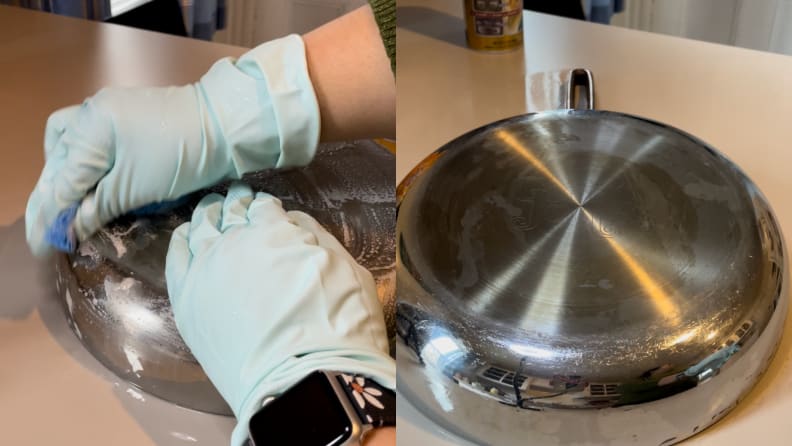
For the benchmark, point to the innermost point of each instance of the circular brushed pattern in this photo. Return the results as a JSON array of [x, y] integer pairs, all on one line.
[[603, 260]]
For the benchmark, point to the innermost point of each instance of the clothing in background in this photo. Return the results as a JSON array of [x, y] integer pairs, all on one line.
[[194, 18], [564, 8], [601, 11], [385, 15], [164, 16], [86, 9], [203, 17]]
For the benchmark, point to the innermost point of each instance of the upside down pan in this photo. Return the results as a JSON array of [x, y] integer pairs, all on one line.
[[114, 292], [583, 277]]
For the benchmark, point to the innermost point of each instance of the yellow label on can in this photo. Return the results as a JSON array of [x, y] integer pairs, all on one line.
[[494, 25]]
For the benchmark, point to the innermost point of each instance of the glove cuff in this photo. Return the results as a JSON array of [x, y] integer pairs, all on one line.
[[262, 108], [377, 366]]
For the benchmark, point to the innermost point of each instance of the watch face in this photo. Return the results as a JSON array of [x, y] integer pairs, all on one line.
[[307, 414]]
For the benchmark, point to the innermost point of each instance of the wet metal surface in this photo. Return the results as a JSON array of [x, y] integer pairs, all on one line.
[[114, 288], [572, 260]]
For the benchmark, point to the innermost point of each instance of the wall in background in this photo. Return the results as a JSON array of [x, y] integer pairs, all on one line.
[[251, 22], [758, 24]]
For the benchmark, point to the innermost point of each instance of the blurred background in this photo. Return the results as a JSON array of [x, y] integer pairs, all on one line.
[[764, 25], [237, 22]]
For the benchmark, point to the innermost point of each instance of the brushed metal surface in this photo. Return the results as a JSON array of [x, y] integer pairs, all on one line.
[[114, 289], [606, 261]]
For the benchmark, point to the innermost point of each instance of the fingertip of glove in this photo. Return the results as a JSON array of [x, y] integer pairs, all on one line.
[[205, 222], [239, 189], [181, 233], [209, 199], [304, 220], [177, 261], [264, 197]]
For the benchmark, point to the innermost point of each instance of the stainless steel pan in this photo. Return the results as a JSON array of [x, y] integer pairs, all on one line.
[[114, 289], [583, 277]]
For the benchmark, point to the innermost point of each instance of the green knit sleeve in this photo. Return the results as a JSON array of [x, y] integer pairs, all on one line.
[[385, 14]]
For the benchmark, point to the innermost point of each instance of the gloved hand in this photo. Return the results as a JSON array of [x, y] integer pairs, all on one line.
[[128, 147], [263, 297]]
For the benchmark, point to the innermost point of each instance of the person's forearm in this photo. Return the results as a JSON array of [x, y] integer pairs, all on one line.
[[381, 436], [351, 75]]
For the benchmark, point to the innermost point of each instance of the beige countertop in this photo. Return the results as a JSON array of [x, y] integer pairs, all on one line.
[[738, 100], [51, 390]]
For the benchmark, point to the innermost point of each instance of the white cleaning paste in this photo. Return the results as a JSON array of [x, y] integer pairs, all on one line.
[[117, 238], [132, 358]]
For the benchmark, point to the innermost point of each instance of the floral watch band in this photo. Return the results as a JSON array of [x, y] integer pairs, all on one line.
[[374, 404]]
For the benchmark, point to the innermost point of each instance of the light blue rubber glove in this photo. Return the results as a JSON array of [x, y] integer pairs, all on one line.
[[128, 147], [263, 297]]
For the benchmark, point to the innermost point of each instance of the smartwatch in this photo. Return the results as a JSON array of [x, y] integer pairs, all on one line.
[[327, 409]]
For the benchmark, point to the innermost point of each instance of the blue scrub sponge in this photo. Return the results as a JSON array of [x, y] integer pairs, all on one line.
[[61, 234]]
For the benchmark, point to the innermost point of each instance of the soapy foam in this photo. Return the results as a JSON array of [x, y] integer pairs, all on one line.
[[89, 250], [117, 238]]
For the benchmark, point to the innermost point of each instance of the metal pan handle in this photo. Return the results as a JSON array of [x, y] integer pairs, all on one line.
[[580, 77]]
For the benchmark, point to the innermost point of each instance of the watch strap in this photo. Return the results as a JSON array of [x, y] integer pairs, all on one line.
[[374, 404]]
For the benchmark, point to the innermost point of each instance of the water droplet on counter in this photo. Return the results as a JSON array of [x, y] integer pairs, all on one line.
[[135, 394]]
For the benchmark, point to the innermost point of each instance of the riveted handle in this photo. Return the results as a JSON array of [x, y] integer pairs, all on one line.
[[580, 77]]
